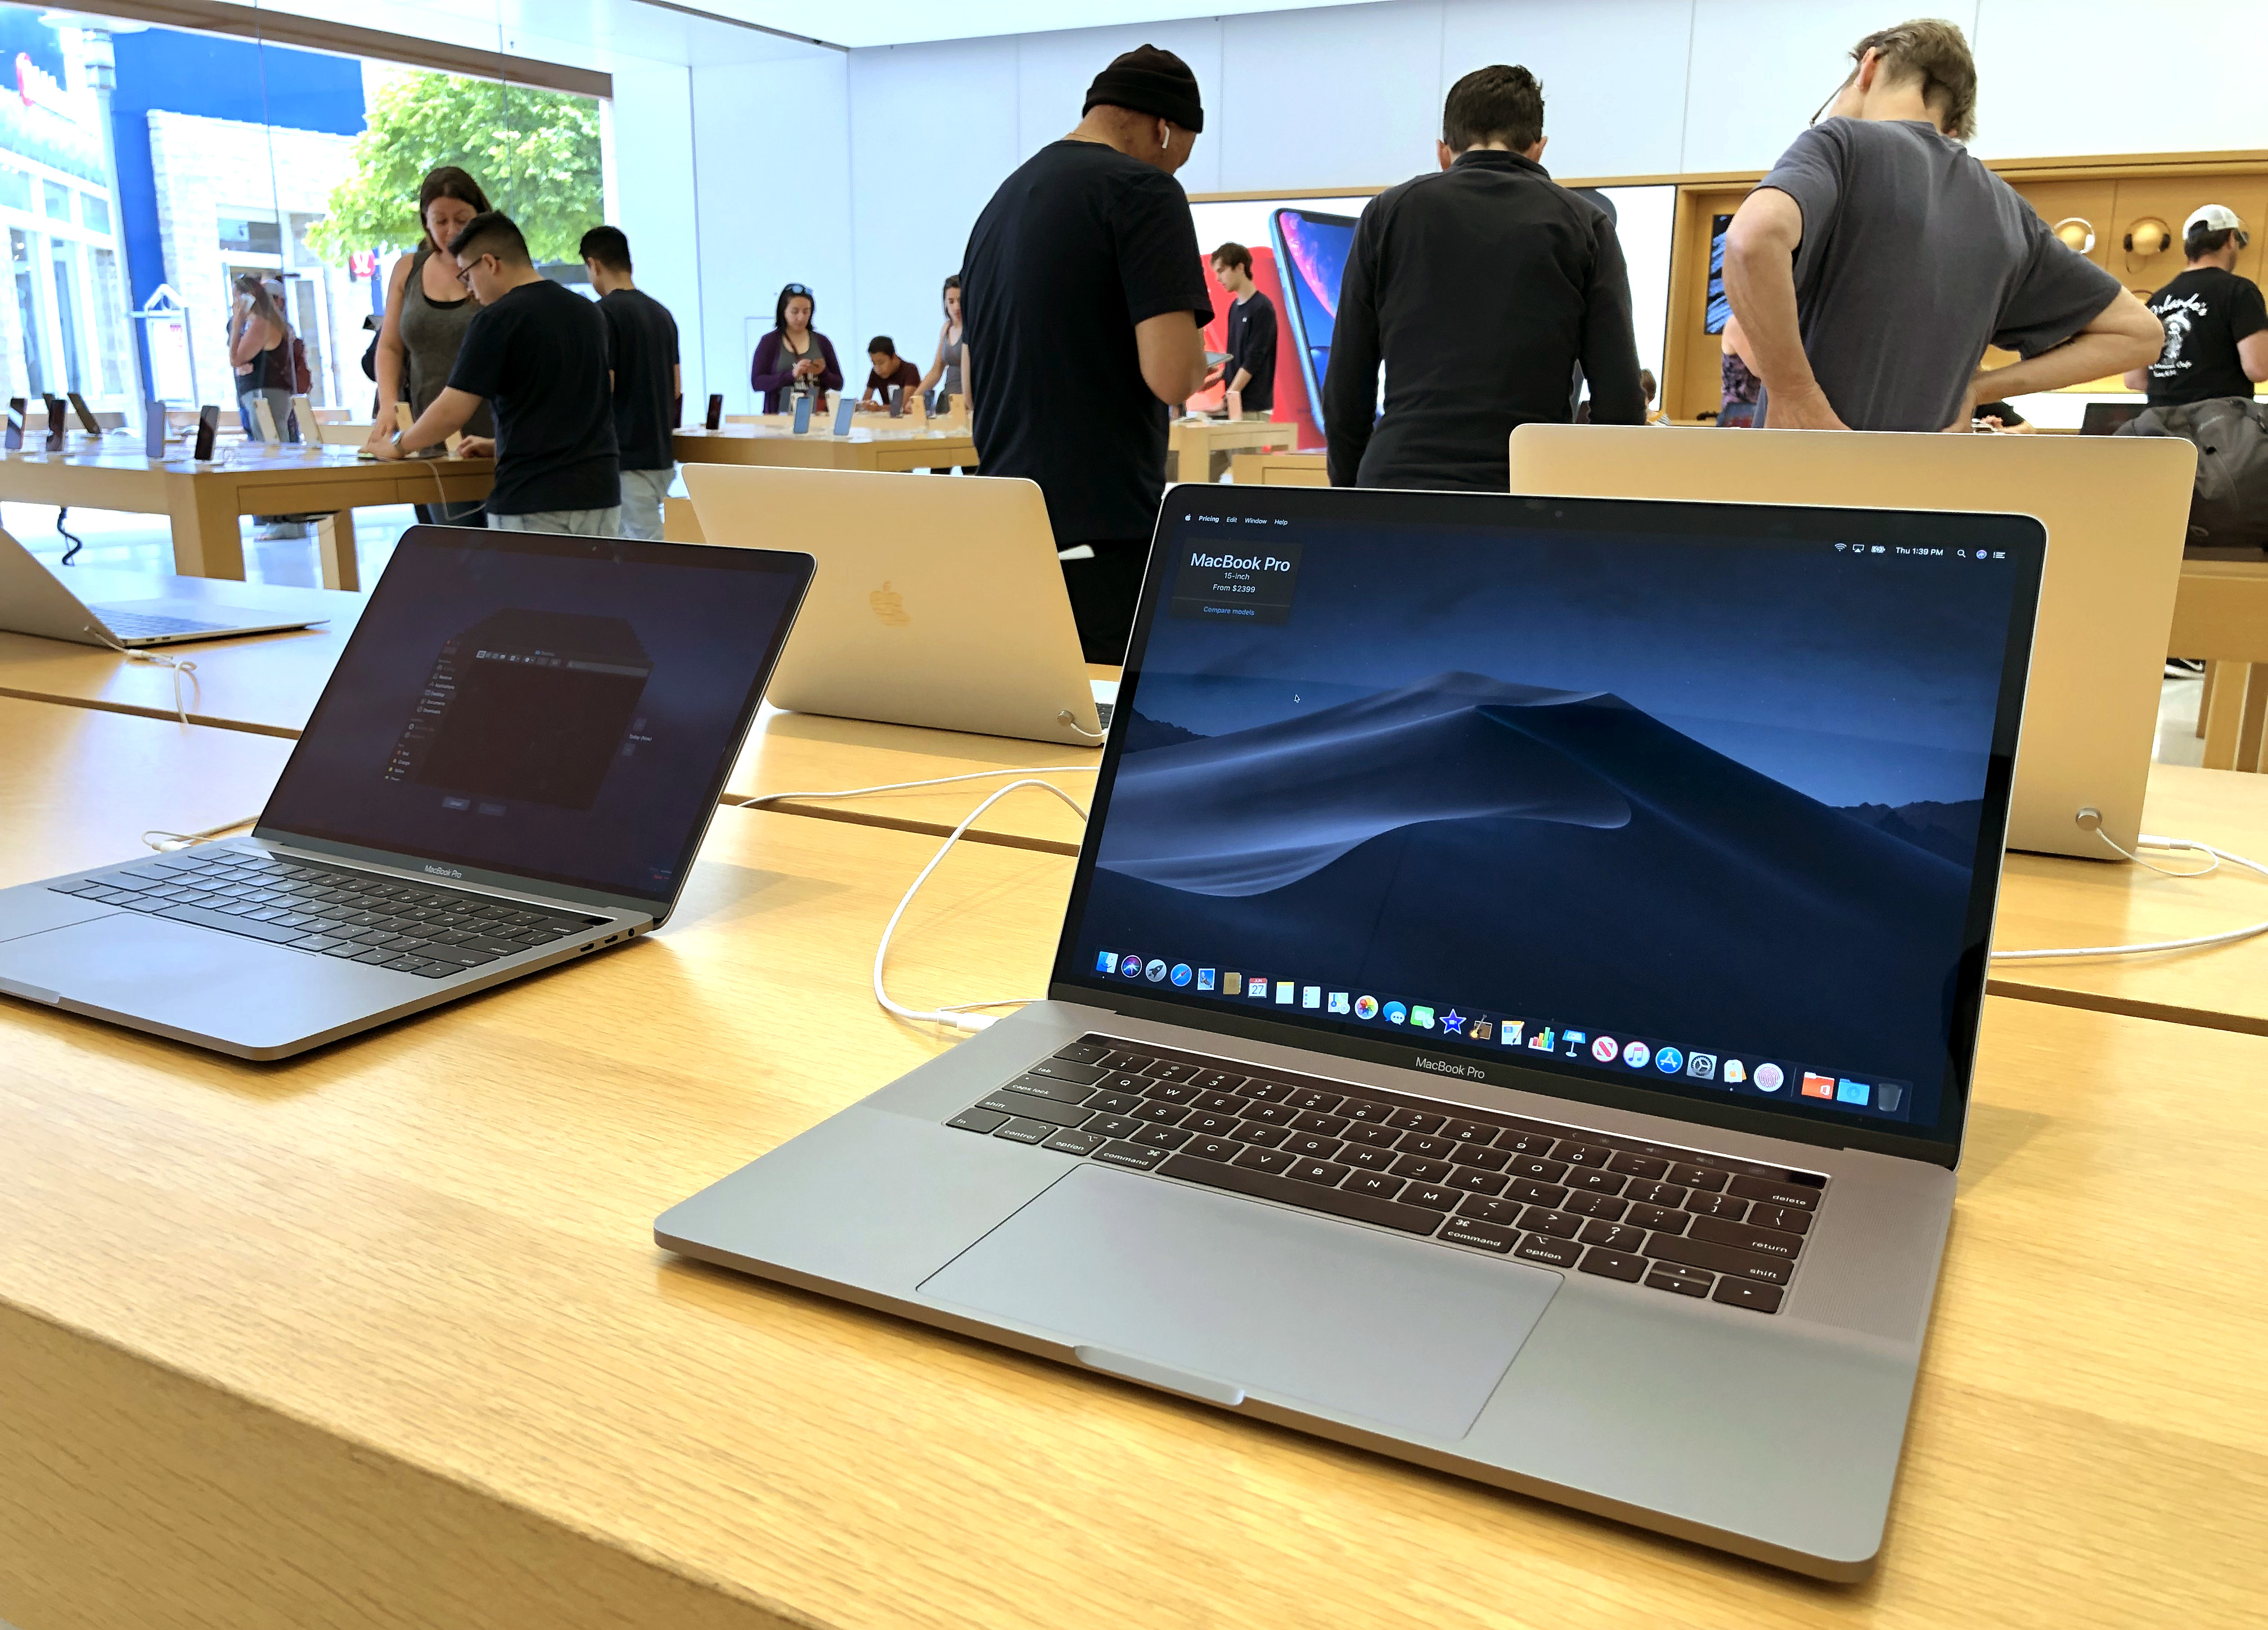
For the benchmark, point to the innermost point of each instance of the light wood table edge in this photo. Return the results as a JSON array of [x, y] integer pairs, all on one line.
[[2129, 1007], [457, 1553], [105, 704]]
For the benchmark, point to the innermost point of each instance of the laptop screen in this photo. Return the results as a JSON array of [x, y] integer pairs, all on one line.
[[559, 709], [1704, 799]]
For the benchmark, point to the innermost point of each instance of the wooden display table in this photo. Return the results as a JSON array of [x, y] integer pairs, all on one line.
[[863, 448], [206, 500], [2049, 901], [378, 1335], [1280, 470], [1199, 449], [268, 683]]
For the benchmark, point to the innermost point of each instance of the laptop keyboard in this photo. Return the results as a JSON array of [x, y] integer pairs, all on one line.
[[331, 910], [1682, 1221], [142, 625]]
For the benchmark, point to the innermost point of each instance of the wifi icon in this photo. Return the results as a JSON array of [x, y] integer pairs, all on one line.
[[1839, 547]]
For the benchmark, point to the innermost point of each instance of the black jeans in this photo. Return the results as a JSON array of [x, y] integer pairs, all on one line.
[[1103, 593]]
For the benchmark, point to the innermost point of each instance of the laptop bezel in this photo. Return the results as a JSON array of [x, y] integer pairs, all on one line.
[[1070, 981], [452, 870]]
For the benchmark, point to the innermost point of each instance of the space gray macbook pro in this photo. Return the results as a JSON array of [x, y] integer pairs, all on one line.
[[512, 765], [1515, 1009], [34, 601]]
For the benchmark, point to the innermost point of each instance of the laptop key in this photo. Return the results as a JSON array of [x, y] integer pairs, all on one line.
[[1585, 1180], [1082, 1052], [1363, 1109], [1415, 1120], [375, 957], [1746, 1236], [1657, 1193], [1063, 1069], [1306, 1146], [1596, 1206], [1774, 1193], [1582, 1154], [1040, 1087], [1214, 1149], [1717, 1258], [1535, 1193], [1021, 1130], [1472, 1180], [1481, 1235], [1487, 1160], [1558, 1224], [1114, 1103], [315, 942], [1525, 1142], [1315, 1121], [1317, 1171], [429, 970], [1170, 1072], [1241, 1178], [1613, 1235], [1037, 1109], [1783, 1218], [1757, 1298], [1367, 1159], [1265, 1160], [1430, 1197], [1308, 1098], [1538, 1170], [1220, 1081], [1661, 1217], [1069, 1142], [1717, 1206], [1421, 1170], [1373, 1182], [1205, 1124], [1376, 1136], [150, 904], [345, 949], [221, 920], [1696, 1177], [1161, 1137], [1161, 1114], [1677, 1286], [1613, 1264], [1173, 1092], [1219, 1103], [1134, 1155], [1648, 1166], [1113, 1125], [1265, 1092], [1553, 1253], [1505, 1212], [1260, 1132]]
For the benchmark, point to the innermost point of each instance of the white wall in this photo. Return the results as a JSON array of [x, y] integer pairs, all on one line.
[[651, 196], [1349, 96]]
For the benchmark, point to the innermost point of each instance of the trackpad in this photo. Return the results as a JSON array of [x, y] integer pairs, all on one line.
[[1406, 1333]]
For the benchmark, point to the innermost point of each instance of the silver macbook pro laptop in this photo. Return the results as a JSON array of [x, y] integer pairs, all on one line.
[[512, 765], [33, 601], [938, 602], [1515, 1008]]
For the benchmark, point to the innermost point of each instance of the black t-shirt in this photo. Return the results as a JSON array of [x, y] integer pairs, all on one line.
[[2206, 311], [1252, 344], [1076, 248], [539, 355], [644, 336]]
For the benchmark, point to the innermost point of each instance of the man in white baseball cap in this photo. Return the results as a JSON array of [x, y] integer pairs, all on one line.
[[2216, 323]]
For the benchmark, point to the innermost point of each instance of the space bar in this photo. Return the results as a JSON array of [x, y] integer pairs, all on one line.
[[1307, 1196], [226, 924]]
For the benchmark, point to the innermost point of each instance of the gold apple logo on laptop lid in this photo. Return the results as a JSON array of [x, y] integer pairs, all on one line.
[[889, 605]]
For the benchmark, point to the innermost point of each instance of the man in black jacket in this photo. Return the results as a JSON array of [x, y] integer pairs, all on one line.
[[1481, 289]]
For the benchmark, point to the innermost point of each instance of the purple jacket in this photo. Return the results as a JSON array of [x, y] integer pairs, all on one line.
[[773, 371]]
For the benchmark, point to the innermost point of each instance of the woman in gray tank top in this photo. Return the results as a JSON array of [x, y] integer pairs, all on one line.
[[943, 374], [427, 311]]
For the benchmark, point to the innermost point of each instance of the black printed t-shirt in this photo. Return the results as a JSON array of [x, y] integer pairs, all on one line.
[[2206, 311], [539, 356], [1075, 248], [644, 336]]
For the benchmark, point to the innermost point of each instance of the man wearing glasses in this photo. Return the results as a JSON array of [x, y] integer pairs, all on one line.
[[538, 352], [1873, 266]]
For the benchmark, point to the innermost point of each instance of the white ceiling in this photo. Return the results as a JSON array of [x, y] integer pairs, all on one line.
[[597, 33]]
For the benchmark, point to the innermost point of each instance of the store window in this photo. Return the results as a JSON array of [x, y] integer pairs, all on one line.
[[31, 316], [58, 200], [15, 191]]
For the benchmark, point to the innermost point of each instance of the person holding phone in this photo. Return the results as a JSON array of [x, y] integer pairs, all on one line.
[[427, 311], [1250, 370], [1087, 304], [794, 359]]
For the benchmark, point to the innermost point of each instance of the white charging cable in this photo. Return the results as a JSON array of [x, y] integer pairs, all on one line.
[[960, 1015], [182, 669], [900, 786], [165, 843], [1063, 716], [2151, 840]]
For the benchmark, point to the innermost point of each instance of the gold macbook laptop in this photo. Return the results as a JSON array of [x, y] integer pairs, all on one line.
[[939, 601], [2117, 510]]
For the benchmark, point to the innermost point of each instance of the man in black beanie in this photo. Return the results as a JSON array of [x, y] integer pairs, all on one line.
[[1084, 305]]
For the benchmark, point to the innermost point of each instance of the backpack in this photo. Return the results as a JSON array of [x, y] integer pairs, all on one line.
[[2229, 508]]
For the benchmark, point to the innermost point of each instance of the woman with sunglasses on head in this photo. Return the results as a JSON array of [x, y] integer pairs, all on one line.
[[794, 359], [427, 311]]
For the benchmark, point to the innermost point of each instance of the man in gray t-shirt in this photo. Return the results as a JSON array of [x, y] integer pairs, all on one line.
[[1874, 264]]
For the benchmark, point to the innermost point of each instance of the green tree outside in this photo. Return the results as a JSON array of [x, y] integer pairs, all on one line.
[[535, 152]]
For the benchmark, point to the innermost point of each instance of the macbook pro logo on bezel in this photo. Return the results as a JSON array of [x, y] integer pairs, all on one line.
[[1444, 1066]]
